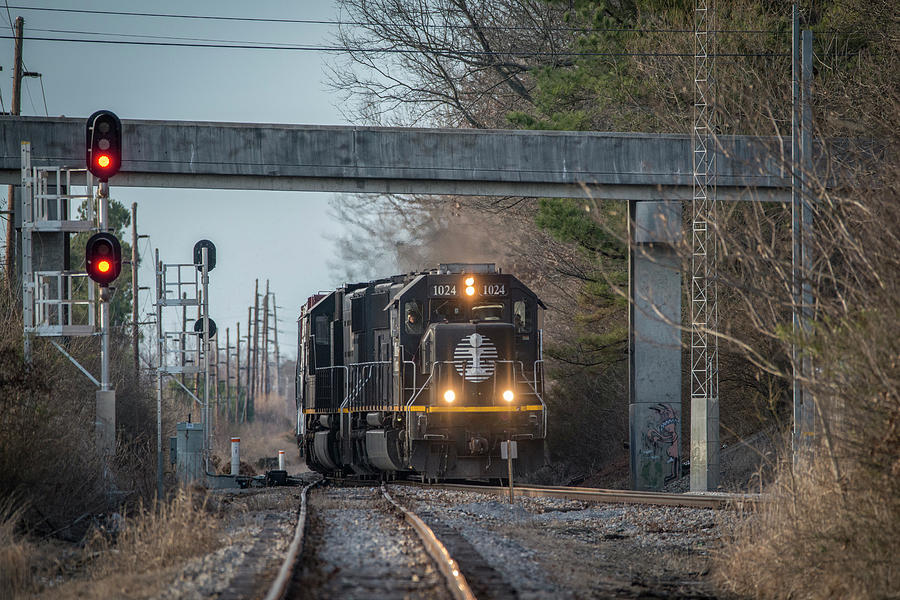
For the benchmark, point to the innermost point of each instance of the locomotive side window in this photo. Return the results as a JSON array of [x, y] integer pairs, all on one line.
[[413, 318], [382, 317], [522, 316], [322, 337], [358, 314]]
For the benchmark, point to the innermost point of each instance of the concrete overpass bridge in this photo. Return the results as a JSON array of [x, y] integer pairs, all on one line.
[[652, 172], [559, 164]]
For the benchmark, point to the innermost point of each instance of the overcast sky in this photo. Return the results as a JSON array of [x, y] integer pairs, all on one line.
[[153, 82]]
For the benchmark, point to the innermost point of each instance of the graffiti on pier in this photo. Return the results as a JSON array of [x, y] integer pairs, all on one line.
[[656, 458], [663, 435]]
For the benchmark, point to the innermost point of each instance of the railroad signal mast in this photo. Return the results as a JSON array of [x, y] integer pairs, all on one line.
[[103, 255], [185, 351], [50, 306]]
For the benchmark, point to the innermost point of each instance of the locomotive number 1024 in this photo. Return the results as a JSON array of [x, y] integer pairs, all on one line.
[[449, 289]]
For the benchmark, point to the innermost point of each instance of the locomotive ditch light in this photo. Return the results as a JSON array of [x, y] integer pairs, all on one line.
[[508, 395], [449, 396]]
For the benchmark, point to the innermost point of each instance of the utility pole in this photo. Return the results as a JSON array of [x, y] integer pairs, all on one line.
[[237, 372], [10, 266], [249, 397], [135, 289], [795, 223], [265, 352], [227, 375], [216, 382], [256, 340], [277, 358]]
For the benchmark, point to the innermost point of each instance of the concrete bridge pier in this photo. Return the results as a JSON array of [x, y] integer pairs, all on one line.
[[654, 343]]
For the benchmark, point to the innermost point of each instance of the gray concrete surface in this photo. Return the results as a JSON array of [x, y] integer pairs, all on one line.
[[654, 407], [625, 166]]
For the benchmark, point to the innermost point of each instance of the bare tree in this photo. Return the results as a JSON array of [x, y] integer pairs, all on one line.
[[444, 62]]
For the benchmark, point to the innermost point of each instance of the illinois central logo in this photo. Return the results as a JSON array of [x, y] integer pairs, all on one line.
[[474, 357]]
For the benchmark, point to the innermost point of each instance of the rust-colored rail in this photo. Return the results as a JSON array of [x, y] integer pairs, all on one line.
[[601, 495], [456, 581], [279, 587]]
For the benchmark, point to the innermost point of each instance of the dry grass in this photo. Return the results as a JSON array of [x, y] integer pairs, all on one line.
[[154, 537], [15, 553], [816, 540]]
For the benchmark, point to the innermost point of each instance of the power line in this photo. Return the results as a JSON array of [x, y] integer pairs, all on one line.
[[338, 49], [366, 23], [44, 95], [154, 37]]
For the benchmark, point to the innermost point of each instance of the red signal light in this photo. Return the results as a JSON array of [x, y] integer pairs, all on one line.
[[103, 258], [103, 144]]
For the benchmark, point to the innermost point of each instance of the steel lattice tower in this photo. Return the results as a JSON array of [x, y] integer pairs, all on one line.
[[704, 309]]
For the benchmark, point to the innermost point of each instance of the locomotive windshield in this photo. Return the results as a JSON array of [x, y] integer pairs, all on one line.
[[448, 311], [488, 312], [455, 311]]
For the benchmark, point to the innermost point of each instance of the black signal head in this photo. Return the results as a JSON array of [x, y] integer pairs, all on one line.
[[103, 144], [103, 258]]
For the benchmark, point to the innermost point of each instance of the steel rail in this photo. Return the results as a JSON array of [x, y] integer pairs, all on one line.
[[279, 587], [603, 495], [456, 581]]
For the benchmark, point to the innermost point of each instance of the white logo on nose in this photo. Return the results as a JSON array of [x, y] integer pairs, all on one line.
[[474, 357]]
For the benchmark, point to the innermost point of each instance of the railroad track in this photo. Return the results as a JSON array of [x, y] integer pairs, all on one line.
[[358, 542], [717, 501]]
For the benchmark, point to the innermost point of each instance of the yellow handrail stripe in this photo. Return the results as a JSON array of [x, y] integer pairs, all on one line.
[[434, 409]]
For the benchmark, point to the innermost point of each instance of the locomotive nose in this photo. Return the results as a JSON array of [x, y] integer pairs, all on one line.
[[472, 362]]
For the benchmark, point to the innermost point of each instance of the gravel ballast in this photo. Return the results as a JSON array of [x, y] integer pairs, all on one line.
[[548, 547]]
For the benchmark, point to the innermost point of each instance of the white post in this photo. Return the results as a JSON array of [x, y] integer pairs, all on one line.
[[235, 455], [508, 452], [281, 460]]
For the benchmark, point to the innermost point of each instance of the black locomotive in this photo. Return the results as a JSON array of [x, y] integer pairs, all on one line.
[[423, 373]]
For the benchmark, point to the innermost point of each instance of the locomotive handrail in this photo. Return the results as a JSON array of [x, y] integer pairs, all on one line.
[[419, 391], [367, 368], [403, 387], [430, 376], [540, 394]]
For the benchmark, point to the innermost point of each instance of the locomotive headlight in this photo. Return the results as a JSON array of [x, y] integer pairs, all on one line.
[[508, 395], [470, 291], [470, 281], [449, 395]]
